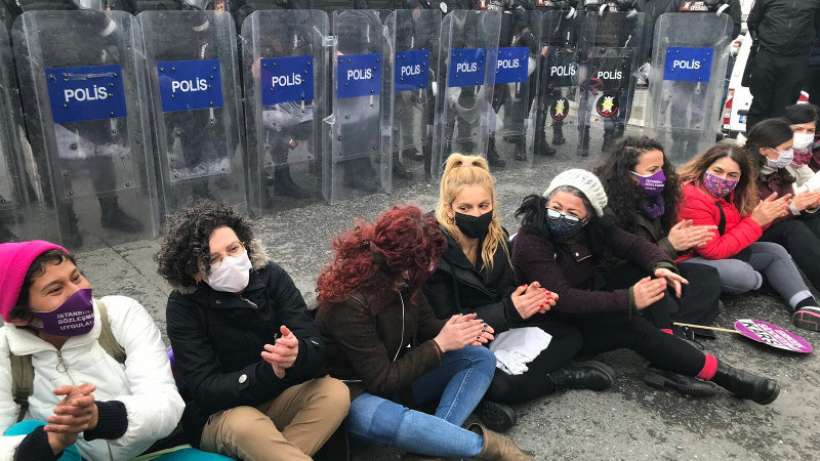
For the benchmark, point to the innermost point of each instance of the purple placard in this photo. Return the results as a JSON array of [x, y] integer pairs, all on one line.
[[773, 335]]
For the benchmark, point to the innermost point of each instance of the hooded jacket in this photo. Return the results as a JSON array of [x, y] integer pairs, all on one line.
[[217, 338], [144, 384]]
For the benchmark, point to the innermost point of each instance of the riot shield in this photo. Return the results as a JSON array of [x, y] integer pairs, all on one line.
[[285, 91], [556, 118], [467, 63], [83, 93], [609, 48], [358, 131], [193, 81], [12, 199], [511, 127], [415, 38], [686, 86]]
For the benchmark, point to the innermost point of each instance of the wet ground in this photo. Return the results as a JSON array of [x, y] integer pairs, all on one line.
[[629, 422]]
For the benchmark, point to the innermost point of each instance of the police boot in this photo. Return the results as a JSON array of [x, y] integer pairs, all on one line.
[[359, 174], [399, 169], [492, 155], [113, 217], [412, 153], [558, 135], [283, 183], [72, 238], [542, 148], [593, 375], [583, 143], [746, 385]]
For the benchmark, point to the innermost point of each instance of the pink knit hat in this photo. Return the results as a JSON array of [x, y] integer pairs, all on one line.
[[15, 261]]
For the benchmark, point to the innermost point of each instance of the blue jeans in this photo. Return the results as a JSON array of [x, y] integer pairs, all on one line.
[[72, 454], [459, 384]]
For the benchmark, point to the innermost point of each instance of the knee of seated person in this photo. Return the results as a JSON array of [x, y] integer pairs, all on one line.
[[481, 357], [241, 424], [335, 396], [774, 249]]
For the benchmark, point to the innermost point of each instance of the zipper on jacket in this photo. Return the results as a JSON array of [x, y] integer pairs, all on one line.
[[244, 299]]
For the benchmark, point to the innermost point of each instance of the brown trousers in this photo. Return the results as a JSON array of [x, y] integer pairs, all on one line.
[[293, 426]]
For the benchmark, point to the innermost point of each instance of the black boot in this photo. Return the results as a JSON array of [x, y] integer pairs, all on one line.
[[520, 149], [113, 217], [542, 148], [583, 145], [283, 183], [745, 385], [399, 170], [492, 155], [72, 238], [686, 385], [558, 138], [496, 416], [593, 375]]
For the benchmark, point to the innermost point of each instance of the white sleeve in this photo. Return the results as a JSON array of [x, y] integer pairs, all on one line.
[[8, 408], [154, 406]]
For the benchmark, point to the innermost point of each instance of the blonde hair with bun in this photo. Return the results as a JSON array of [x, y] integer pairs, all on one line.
[[462, 171]]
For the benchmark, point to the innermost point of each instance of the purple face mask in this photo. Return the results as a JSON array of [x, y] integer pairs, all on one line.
[[653, 184], [717, 186], [74, 318]]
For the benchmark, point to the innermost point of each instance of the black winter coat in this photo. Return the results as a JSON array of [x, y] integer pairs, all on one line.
[[217, 338], [784, 27], [458, 287]]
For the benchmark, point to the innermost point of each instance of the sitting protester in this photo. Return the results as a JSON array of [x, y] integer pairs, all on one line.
[[248, 357], [803, 121], [385, 342], [719, 189], [564, 237], [644, 194], [85, 377], [474, 275]]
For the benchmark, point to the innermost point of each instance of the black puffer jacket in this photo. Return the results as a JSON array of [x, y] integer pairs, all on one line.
[[784, 27], [458, 287], [217, 338]]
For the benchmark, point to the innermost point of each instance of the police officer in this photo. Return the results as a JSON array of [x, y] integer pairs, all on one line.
[[562, 35]]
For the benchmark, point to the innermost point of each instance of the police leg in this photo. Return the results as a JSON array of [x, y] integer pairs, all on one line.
[[282, 181], [112, 216], [499, 95]]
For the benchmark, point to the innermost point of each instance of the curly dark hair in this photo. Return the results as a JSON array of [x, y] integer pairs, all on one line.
[[185, 251], [626, 198], [401, 245]]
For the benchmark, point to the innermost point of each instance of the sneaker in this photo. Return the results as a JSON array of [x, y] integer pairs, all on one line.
[[807, 318], [496, 416]]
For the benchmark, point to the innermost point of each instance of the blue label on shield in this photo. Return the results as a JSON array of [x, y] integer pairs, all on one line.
[[85, 93], [512, 65], [189, 85], [287, 79], [412, 70], [688, 64], [359, 75], [466, 67]]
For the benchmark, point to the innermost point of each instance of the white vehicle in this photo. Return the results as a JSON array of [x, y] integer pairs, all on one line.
[[738, 97]]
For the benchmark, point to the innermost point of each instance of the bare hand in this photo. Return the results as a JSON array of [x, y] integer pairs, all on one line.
[[806, 200], [532, 299], [648, 291], [76, 412], [770, 209], [672, 279], [460, 331], [685, 236], [283, 353]]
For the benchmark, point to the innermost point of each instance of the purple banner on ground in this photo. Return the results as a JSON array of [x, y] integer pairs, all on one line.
[[773, 335]]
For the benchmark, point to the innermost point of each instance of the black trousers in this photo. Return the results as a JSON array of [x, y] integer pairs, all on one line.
[[627, 274], [565, 345], [801, 238], [776, 83]]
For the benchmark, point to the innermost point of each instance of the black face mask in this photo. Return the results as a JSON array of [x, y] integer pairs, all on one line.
[[474, 227]]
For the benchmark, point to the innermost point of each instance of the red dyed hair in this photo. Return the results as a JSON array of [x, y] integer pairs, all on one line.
[[402, 244]]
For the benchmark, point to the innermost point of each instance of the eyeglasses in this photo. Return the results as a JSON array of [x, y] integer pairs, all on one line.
[[557, 214], [234, 249]]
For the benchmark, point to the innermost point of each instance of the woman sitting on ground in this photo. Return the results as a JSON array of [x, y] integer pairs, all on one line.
[[385, 342], [564, 237], [474, 275], [719, 189]]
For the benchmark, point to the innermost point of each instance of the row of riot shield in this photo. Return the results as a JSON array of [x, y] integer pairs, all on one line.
[[130, 119]]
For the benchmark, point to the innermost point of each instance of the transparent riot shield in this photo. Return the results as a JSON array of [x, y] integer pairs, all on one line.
[[415, 38], [609, 47], [511, 127], [83, 92], [12, 200], [686, 84], [358, 131], [285, 65], [467, 64], [193, 81], [556, 118]]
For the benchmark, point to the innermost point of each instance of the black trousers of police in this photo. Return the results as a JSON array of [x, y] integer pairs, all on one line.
[[776, 82]]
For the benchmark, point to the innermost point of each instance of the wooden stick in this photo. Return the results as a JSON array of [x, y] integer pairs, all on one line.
[[704, 327]]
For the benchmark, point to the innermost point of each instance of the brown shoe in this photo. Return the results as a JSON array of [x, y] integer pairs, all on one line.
[[498, 447]]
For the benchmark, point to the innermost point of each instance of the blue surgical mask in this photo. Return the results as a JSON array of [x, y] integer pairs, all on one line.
[[563, 227]]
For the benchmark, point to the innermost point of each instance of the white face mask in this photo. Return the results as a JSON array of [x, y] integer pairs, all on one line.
[[803, 140], [230, 275], [783, 160]]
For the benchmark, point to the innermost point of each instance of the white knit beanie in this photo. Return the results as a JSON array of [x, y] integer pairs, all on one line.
[[584, 181]]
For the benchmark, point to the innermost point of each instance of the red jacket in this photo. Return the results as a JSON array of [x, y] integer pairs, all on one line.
[[702, 208]]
